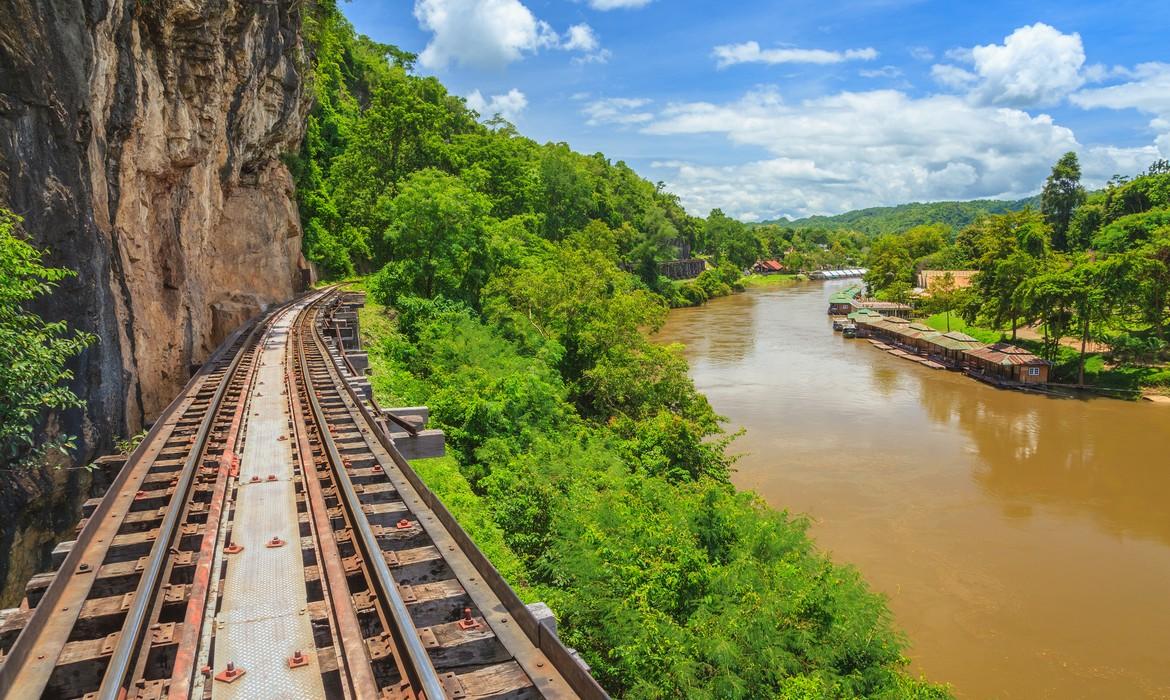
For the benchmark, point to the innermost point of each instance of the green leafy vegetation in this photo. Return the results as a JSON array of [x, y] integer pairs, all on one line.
[[33, 352], [1090, 274], [512, 288]]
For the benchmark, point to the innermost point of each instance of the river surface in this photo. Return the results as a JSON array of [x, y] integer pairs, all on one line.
[[1023, 542]]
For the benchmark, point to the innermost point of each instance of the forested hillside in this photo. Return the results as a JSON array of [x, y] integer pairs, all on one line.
[[515, 283], [879, 220]]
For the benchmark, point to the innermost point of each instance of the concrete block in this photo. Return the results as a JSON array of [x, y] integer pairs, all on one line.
[[61, 551], [420, 411], [363, 389], [426, 444], [544, 615], [360, 361]]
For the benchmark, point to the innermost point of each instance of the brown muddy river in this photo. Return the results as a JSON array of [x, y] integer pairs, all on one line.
[[1023, 542]]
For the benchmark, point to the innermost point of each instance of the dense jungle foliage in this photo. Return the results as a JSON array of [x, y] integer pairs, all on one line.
[[1093, 268], [515, 284]]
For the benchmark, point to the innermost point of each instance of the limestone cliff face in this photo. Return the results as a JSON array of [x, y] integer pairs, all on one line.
[[141, 142]]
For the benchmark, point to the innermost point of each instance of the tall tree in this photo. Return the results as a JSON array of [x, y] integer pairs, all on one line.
[[1062, 194], [1009, 249], [942, 295], [436, 242]]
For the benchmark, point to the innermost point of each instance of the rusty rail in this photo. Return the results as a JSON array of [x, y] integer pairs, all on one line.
[[31, 660], [402, 603], [577, 677]]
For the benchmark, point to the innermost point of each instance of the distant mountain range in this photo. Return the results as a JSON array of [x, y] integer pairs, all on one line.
[[877, 220]]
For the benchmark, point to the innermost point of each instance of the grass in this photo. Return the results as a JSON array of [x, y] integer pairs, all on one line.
[[1099, 373], [983, 335], [770, 280]]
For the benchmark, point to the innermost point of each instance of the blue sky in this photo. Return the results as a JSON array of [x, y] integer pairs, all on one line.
[[774, 108]]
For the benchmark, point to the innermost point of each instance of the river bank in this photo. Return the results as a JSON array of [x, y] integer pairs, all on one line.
[[1021, 540]]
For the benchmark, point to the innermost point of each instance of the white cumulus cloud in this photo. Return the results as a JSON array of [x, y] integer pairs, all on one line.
[[952, 76], [508, 105], [861, 149], [883, 72], [750, 52], [1147, 90], [1035, 66], [494, 33], [921, 53], [580, 37], [617, 110], [489, 33]]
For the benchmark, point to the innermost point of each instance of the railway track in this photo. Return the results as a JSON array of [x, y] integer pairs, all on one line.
[[268, 540]]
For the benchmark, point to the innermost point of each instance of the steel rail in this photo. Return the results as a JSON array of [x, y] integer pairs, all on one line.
[[418, 662], [183, 669], [130, 638], [357, 678], [22, 677], [578, 678]]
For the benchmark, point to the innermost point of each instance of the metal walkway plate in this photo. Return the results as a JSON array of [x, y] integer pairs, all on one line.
[[263, 618]]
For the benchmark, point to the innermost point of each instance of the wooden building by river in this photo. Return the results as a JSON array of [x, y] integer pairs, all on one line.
[[1006, 363], [999, 364], [885, 308], [950, 347]]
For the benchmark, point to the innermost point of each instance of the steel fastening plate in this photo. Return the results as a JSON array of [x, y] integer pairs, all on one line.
[[452, 686], [380, 647], [427, 635], [162, 633], [109, 643], [364, 601]]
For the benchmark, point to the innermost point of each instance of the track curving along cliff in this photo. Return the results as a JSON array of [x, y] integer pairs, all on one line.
[[141, 142]]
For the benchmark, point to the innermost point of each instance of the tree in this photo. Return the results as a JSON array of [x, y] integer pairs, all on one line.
[[1049, 298], [725, 238], [436, 240], [566, 192], [1010, 249], [942, 295], [1061, 196], [889, 263], [1073, 299], [654, 245], [33, 352], [743, 248]]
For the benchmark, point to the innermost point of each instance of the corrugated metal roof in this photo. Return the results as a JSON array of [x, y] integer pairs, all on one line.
[[956, 335], [888, 305], [945, 340], [1004, 354]]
